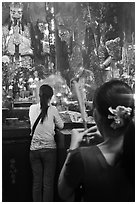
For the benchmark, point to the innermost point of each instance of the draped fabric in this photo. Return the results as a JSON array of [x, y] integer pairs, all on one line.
[[37, 11]]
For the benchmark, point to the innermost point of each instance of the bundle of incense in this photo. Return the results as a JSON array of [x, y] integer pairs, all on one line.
[[79, 89]]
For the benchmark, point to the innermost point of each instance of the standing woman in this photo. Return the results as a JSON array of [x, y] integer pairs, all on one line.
[[43, 145]]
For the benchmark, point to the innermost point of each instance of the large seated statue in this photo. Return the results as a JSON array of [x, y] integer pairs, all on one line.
[[16, 40]]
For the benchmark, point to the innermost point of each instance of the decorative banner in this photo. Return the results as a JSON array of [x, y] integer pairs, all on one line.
[[37, 11]]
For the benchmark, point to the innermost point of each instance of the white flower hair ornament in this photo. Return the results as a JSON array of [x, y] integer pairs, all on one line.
[[119, 114]]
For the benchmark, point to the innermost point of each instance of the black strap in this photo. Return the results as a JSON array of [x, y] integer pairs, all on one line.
[[35, 124]]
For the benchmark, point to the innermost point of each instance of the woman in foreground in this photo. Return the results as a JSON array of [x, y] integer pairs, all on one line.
[[99, 169]]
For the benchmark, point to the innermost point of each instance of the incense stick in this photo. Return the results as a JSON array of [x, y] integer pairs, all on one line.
[[81, 96]]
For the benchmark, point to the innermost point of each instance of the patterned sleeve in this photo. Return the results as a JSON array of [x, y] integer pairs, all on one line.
[[58, 121], [74, 171]]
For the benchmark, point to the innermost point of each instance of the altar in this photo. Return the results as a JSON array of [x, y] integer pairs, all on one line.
[[16, 170]]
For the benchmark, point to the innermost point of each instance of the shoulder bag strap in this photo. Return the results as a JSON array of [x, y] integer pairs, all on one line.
[[35, 124]]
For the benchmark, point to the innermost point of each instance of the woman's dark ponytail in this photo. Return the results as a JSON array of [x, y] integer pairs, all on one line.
[[46, 92]]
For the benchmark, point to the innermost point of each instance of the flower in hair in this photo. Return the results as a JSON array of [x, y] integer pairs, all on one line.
[[119, 114]]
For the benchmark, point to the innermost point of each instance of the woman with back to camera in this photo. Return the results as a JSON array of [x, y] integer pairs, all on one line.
[[43, 146], [99, 169]]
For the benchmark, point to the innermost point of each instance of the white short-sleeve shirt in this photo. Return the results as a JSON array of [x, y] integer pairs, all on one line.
[[43, 136]]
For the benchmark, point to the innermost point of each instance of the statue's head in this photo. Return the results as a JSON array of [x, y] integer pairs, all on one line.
[[16, 11]]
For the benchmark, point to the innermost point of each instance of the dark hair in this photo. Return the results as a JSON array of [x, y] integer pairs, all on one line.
[[45, 93], [129, 152], [112, 94]]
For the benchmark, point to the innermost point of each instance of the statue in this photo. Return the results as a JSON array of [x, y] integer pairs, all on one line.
[[16, 40]]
